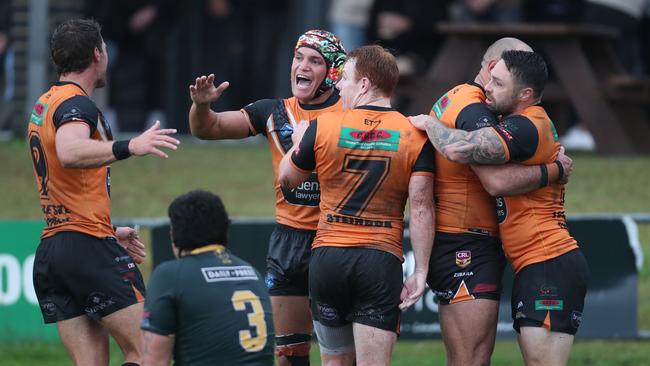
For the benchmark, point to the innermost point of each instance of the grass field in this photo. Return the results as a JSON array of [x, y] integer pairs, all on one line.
[[242, 174]]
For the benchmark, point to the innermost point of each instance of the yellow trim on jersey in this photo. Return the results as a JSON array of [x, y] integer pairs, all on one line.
[[209, 248]]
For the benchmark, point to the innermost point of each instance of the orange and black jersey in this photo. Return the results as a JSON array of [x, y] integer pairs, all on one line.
[[532, 225], [276, 119], [71, 199], [365, 158], [462, 204]]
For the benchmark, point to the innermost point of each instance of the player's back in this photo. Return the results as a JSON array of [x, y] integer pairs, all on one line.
[[462, 204], [222, 309], [364, 159], [71, 199]]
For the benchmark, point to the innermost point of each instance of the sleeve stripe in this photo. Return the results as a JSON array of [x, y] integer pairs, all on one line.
[[248, 120], [422, 173]]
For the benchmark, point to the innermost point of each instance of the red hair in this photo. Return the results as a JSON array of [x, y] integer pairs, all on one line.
[[378, 65]]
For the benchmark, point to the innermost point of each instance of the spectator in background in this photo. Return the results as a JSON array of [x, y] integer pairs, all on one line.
[[137, 31], [565, 11], [624, 16], [486, 11], [207, 35], [349, 20], [407, 28], [259, 61]]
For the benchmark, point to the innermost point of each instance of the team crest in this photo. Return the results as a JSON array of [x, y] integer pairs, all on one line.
[[463, 258]]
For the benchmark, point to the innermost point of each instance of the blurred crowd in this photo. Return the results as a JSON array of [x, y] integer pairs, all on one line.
[[157, 47]]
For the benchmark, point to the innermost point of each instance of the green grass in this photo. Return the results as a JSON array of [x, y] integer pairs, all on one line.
[[242, 175], [407, 353]]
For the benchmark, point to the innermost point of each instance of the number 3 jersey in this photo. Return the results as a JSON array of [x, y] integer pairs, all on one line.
[[71, 199], [215, 305], [276, 119], [365, 158]]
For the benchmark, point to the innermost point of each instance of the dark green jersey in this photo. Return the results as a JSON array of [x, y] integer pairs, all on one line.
[[216, 305]]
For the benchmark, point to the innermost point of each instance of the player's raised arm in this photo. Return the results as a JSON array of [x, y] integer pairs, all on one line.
[[76, 149], [207, 124]]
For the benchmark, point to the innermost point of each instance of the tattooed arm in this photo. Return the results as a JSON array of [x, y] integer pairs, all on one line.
[[482, 146]]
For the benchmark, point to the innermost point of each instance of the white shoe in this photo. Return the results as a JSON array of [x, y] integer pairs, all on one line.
[[577, 138]]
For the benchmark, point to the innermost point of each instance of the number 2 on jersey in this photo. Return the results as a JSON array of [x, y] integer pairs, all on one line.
[[372, 171], [249, 342]]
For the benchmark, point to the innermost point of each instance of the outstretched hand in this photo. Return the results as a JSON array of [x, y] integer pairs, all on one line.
[[152, 139], [203, 91]]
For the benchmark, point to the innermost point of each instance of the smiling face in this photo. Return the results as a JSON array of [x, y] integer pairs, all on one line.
[[308, 71], [501, 91]]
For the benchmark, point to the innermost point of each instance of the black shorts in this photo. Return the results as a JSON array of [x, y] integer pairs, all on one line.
[[77, 274], [359, 285], [466, 267], [551, 294], [287, 262]]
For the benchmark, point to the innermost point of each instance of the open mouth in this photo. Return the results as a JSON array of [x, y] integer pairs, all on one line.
[[303, 81]]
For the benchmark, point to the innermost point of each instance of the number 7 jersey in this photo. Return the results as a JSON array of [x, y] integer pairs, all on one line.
[[365, 158]]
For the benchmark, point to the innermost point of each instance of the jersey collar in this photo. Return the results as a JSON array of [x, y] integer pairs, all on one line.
[[62, 83], [209, 248], [375, 108], [474, 83], [334, 97]]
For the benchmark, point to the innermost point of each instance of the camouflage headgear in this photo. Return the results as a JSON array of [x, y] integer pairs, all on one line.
[[330, 47]]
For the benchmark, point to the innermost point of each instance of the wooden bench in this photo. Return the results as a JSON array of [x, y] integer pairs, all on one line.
[[585, 73]]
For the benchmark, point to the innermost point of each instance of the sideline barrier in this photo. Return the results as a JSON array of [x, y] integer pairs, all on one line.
[[610, 244]]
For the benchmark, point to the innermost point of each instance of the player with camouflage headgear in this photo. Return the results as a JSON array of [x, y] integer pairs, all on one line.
[[317, 62]]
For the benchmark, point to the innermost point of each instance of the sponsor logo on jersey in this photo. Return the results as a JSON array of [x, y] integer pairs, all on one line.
[[305, 194], [505, 131], [286, 130], [37, 113], [576, 318], [556, 138], [327, 312], [549, 304], [441, 105], [358, 221], [446, 294], [502, 210], [236, 273], [548, 290], [98, 301], [463, 274], [387, 140], [463, 258]]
